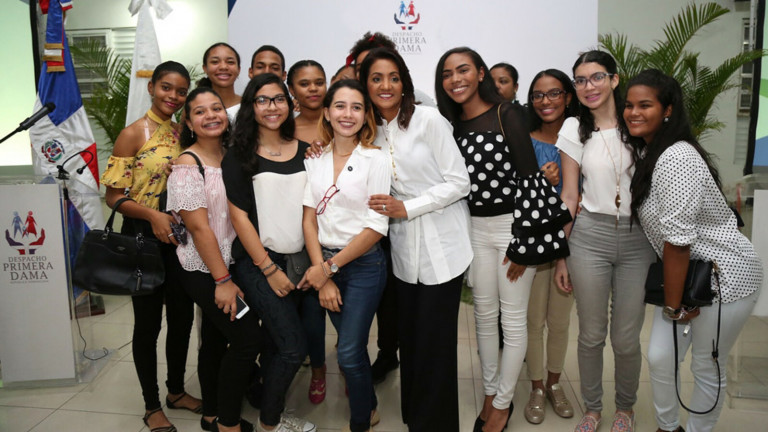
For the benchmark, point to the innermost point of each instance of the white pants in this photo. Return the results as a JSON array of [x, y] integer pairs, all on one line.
[[492, 291], [661, 359]]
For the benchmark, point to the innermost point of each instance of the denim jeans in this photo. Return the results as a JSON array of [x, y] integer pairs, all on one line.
[[280, 320], [360, 283]]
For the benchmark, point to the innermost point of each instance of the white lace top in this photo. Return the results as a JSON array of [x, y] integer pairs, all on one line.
[[188, 191]]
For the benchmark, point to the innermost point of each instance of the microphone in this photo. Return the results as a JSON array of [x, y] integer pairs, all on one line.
[[31, 120]]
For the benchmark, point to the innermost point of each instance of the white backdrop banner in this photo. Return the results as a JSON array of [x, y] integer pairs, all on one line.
[[532, 35]]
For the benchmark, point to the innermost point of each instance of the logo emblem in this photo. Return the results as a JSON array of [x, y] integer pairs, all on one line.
[[25, 237], [406, 16], [53, 150]]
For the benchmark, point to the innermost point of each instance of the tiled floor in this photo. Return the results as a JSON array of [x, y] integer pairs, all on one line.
[[112, 402]]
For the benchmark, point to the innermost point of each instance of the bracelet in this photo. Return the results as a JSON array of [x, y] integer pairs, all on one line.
[[266, 255], [675, 314], [277, 267], [268, 267], [324, 270], [221, 280]]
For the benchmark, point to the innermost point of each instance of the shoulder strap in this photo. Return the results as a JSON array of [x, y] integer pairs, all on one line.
[[197, 160]]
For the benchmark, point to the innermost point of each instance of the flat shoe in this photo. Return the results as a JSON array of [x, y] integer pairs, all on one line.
[[534, 410], [588, 423], [559, 401], [172, 404], [146, 417], [623, 422]]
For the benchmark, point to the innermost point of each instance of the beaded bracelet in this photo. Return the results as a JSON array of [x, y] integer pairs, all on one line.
[[268, 267], [277, 267]]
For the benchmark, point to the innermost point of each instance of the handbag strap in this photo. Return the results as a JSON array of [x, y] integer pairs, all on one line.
[[197, 160], [111, 219], [715, 349]]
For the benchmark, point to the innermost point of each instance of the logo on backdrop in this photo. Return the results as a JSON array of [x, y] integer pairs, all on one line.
[[52, 150], [406, 16], [23, 236], [407, 40]]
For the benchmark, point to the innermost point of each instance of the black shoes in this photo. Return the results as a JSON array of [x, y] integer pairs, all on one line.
[[383, 365]]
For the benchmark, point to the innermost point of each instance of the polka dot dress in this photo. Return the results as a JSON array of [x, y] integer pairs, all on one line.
[[685, 207]]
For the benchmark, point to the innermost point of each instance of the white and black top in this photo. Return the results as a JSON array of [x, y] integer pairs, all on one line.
[[492, 168], [685, 207], [506, 179], [272, 198]]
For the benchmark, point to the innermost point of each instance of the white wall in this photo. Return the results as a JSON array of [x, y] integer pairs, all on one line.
[[192, 27], [642, 22]]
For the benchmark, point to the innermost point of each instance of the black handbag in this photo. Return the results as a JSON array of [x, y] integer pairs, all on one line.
[[118, 264], [697, 291], [698, 284]]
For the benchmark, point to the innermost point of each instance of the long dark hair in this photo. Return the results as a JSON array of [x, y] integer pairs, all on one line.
[[205, 81], [675, 128], [187, 139], [571, 109], [245, 139], [486, 88], [408, 103], [586, 118]]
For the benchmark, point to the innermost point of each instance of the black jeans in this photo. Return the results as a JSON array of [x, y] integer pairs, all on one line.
[[285, 344], [147, 319], [427, 324], [386, 314], [223, 371]]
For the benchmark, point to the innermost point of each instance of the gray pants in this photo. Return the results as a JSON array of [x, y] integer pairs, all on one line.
[[608, 267]]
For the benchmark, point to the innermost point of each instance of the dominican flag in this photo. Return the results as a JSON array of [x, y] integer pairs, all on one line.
[[66, 130]]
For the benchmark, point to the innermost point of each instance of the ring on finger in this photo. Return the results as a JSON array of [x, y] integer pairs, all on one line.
[[384, 207]]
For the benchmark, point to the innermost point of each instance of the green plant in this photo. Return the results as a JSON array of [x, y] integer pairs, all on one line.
[[701, 84], [109, 99]]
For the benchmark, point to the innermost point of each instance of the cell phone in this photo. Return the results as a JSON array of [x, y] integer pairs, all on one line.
[[242, 308], [179, 232]]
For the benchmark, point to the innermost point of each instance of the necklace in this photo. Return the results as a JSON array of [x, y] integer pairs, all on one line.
[[272, 153], [617, 173], [391, 149], [333, 146]]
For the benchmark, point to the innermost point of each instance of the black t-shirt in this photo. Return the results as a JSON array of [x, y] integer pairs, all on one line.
[[241, 190]]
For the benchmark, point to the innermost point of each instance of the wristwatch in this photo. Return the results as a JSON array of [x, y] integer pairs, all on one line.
[[674, 314], [332, 266]]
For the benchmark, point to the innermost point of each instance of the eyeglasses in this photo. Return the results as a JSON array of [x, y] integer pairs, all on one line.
[[597, 79], [265, 101], [333, 190], [552, 95]]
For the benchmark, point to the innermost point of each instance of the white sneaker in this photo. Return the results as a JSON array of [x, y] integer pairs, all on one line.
[[295, 424]]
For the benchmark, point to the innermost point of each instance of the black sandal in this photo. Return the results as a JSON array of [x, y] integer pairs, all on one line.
[[170, 428], [171, 404]]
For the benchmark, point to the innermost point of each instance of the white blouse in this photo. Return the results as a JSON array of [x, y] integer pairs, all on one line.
[[598, 172], [346, 213], [432, 244], [685, 207]]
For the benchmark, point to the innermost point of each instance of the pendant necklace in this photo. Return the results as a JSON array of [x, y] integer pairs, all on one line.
[[617, 173], [272, 153]]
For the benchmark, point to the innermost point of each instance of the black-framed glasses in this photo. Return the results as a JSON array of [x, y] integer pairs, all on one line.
[[333, 190], [597, 79], [552, 95], [265, 101]]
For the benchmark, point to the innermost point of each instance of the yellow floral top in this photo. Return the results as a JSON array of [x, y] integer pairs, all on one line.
[[144, 174]]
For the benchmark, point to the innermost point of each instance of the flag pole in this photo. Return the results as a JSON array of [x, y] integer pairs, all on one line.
[[35, 40]]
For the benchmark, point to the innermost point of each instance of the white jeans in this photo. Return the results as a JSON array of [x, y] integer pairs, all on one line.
[[492, 291], [661, 358]]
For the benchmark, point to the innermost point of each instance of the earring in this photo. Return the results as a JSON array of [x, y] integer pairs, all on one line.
[[193, 133], [666, 119]]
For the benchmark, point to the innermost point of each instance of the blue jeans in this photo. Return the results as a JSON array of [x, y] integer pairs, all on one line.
[[284, 333], [361, 283], [313, 320]]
